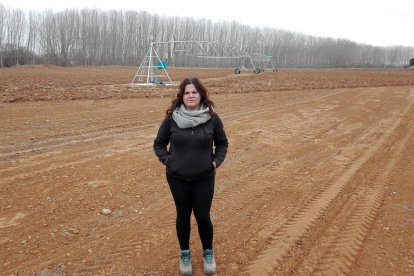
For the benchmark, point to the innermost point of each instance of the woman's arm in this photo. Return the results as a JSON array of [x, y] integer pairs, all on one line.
[[220, 141], [162, 140]]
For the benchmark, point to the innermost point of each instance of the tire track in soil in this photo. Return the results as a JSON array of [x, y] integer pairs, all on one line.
[[80, 157], [266, 173], [250, 116], [295, 228], [106, 133], [338, 258], [343, 249], [256, 174], [269, 165]]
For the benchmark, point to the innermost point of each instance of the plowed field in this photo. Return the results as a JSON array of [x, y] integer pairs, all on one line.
[[318, 179]]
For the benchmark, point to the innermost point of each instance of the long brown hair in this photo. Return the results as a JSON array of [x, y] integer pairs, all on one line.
[[178, 101]]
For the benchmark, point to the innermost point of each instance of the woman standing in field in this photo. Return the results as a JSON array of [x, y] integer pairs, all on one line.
[[197, 146]]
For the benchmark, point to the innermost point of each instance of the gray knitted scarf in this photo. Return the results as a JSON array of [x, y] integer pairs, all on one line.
[[187, 119]]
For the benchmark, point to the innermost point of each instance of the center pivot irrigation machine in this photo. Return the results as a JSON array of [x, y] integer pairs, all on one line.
[[153, 70]]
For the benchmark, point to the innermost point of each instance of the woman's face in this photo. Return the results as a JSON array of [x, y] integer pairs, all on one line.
[[191, 97]]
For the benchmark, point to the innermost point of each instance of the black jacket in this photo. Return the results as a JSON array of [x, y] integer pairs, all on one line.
[[191, 154]]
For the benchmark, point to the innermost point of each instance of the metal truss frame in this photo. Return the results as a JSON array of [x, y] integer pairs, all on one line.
[[205, 49], [147, 72]]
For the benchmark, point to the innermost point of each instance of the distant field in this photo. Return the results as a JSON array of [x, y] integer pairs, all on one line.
[[46, 83]]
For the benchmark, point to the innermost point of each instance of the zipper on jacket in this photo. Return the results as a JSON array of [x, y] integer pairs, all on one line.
[[192, 130]]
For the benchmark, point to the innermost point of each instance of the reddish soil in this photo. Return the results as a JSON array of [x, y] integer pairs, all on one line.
[[318, 178]]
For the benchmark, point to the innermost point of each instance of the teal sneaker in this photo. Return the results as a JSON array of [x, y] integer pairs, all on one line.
[[209, 262], [185, 263]]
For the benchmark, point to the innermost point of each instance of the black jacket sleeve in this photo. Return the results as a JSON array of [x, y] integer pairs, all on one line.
[[220, 141], [162, 140]]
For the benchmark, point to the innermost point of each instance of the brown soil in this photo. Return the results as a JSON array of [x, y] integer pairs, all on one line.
[[318, 178]]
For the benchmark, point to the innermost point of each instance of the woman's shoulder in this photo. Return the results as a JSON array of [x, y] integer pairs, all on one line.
[[166, 122], [168, 118], [216, 116], [170, 123]]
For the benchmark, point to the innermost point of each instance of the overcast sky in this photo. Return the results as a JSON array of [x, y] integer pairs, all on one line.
[[374, 22]]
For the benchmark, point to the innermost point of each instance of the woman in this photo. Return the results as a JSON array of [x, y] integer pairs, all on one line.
[[197, 146]]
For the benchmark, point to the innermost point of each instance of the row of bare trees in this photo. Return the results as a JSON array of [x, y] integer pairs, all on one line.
[[95, 37]]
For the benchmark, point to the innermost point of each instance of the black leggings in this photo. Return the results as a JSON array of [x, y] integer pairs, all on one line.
[[194, 195]]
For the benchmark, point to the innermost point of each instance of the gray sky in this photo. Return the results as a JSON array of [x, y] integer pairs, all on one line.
[[375, 22]]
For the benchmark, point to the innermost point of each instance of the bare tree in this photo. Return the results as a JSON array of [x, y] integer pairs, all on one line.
[[48, 37], [15, 27], [32, 33], [66, 28], [90, 44], [3, 19]]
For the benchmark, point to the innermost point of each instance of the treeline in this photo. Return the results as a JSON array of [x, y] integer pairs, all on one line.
[[95, 37]]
